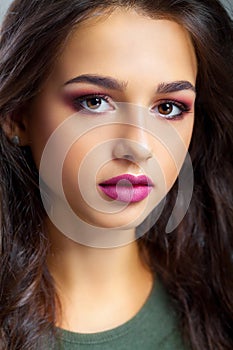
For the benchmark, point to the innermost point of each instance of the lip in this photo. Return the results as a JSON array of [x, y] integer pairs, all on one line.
[[127, 187]]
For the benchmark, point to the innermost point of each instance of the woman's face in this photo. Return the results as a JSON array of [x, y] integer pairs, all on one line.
[[116, 116]]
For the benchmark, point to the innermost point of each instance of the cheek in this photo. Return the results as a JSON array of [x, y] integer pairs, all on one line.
[[186, 130], [79, 161], [39, 139], [171, 150], [45, 115], [166, 167], [71, 165]]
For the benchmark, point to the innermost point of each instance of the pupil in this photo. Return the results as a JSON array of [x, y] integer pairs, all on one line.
[[165, 108], [94, 102]]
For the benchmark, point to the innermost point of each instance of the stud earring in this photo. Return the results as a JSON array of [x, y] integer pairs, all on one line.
[[15, 140]]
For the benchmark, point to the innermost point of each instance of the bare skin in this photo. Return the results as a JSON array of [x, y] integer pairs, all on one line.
[[99, 288]]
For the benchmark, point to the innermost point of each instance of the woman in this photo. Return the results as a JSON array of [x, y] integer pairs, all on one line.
[[98, 99]]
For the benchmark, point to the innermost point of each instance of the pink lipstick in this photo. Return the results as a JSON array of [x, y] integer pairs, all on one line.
[[127, 188]]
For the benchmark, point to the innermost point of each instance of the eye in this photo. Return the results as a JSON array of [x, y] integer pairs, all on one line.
[[170, 109], [93, 103]]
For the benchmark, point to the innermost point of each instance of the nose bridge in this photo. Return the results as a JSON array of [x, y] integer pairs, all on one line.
[[134, 115], [133, 143]]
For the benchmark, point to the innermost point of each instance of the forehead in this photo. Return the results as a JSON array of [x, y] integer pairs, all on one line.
[[127, 43]]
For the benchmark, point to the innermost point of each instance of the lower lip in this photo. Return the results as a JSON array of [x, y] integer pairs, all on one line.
[[128, 194]]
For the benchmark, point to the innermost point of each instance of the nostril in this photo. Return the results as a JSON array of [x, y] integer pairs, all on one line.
[[128, 157], [131, 150]]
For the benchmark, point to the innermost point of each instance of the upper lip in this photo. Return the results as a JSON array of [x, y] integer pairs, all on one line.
[[138, 180]]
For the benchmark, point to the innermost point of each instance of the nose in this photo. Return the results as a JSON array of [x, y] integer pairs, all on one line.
[[133, 146]]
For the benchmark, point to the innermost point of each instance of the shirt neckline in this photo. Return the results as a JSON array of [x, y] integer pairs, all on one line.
[[149, 305]]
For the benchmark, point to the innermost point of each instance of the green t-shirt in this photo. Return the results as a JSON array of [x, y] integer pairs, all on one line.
[[154, 327]]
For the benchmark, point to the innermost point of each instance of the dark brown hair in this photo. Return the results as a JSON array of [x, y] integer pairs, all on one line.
[[195, 261]]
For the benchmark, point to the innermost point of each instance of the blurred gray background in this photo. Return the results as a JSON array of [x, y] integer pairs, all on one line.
[[5, 3]]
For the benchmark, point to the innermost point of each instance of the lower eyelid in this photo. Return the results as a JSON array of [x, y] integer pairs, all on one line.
[[78, 103], [184, 109]]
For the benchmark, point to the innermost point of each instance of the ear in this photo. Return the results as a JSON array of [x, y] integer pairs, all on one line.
[[15, 127]]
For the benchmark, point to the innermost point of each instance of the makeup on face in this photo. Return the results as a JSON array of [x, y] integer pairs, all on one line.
[[127, 187], [88, 94], [110, 107]]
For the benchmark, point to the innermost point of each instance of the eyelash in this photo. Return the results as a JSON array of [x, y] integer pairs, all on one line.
[[78, 100], [184, 108]]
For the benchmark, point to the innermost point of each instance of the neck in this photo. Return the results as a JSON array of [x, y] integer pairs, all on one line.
[[82, 273]]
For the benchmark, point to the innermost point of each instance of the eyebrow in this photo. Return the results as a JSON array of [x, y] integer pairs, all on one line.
[[114, 84], [175, 86], [105, 82]]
